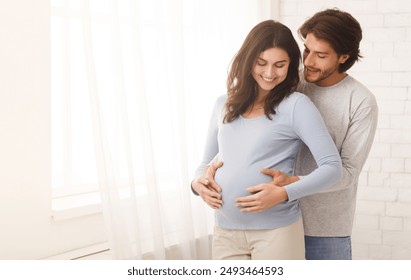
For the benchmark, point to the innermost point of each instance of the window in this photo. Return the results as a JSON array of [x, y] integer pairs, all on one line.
[[74, 174], [183, 57]]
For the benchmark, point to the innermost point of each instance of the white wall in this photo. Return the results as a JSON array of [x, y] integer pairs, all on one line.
[[26, 228], [382, 227]]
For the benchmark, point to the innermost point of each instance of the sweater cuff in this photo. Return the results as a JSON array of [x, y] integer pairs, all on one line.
[[192, 189]]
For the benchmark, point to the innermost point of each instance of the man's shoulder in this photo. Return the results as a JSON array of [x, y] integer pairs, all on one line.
[[360, 92], [358, 86], [347, 90]]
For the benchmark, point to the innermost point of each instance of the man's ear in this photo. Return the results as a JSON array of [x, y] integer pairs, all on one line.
[[343, 58]]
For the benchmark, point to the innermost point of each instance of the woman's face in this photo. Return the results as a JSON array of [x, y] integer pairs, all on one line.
[[270, 69]]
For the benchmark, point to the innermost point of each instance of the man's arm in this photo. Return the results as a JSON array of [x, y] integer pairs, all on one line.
[[356, 146]]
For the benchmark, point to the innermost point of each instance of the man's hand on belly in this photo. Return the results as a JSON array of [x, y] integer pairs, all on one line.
[[279, 178]]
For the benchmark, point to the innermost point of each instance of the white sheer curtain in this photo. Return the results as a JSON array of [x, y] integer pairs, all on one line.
[[154, 69]]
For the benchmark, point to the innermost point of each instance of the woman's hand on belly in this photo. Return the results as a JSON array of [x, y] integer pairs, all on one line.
[[207, 193], [207, 188], [262, 197], [209, 174]]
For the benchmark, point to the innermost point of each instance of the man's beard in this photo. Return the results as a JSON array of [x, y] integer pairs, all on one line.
[[319, 75]]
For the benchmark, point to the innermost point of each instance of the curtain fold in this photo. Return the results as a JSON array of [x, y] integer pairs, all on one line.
[[147, 77]]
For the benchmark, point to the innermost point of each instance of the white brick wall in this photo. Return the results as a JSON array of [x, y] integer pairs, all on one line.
[[382, 228]]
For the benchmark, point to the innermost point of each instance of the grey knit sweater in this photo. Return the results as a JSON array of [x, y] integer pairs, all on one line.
[[350, 113]]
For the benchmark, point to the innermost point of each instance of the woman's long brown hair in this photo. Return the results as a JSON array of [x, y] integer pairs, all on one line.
[[242, 89]]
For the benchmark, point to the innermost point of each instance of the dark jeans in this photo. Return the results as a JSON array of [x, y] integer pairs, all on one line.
[[328, 248]]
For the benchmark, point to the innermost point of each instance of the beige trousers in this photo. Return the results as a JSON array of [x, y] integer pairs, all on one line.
[[285, 243]]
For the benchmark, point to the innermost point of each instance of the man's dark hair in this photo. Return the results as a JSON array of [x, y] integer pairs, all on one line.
[[340, 29]]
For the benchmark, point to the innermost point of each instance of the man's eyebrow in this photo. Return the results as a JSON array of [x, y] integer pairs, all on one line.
[[316, 51]]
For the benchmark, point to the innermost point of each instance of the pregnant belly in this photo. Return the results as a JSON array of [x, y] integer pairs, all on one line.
[[234, 184]]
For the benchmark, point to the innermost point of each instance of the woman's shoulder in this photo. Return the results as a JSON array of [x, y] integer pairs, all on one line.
[[222, 98], [220, 101], [294, 101], [296, 97]]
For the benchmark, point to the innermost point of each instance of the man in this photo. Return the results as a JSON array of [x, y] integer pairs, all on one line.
[[350, 111]]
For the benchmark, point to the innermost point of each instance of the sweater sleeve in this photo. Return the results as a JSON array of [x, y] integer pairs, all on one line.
[[357, 144], [310, 127]]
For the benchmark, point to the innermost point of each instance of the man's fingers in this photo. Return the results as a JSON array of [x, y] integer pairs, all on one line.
[[270, 172], [213, 202], [214, 185], [213, 205], [212, 193]]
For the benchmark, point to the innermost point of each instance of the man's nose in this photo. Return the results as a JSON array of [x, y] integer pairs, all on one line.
[[308, 60]]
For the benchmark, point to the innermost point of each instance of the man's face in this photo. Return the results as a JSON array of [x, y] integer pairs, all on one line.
[[321, 62]]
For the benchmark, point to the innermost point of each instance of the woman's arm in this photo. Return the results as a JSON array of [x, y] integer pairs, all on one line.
[[310, 127]]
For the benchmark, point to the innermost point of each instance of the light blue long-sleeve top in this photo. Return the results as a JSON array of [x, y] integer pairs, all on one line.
[[248, 145]]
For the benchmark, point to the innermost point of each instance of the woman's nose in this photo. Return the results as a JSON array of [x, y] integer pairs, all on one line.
[[269, 71]]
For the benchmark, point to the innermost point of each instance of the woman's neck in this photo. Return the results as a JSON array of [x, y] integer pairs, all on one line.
[[257, 108]]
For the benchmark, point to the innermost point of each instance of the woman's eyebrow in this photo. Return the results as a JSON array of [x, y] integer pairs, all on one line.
[[274, 62]]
